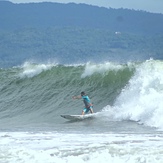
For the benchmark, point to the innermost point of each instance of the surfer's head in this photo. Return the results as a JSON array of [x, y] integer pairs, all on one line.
[[82, 93]]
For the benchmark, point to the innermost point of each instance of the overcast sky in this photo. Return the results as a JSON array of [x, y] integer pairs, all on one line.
[[155, 6]]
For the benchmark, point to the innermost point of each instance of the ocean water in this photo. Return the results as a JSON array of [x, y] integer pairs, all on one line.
[[127, 126]]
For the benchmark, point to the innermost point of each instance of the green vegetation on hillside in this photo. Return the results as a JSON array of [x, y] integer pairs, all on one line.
[[75, 44], [76, 33]]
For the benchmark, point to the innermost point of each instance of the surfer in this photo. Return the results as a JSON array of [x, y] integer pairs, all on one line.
[[87, 103]]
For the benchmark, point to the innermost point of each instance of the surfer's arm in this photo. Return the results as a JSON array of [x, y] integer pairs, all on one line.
[[77, 97]]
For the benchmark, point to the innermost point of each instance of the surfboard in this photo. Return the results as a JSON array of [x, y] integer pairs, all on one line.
[[77, 117]]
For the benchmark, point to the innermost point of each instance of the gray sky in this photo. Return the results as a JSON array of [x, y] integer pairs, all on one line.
[[155, 6]]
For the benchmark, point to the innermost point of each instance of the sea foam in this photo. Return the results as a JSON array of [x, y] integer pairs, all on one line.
[[141, 99]]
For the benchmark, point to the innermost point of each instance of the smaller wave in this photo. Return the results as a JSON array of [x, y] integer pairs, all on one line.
[[30, 69]]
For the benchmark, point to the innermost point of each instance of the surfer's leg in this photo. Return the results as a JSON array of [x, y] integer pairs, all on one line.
[[85, 110], [91, 109]]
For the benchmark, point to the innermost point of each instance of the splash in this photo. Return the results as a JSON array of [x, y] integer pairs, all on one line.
[[141, 100]]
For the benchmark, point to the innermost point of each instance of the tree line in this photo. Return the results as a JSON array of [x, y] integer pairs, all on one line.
[[70, 45]]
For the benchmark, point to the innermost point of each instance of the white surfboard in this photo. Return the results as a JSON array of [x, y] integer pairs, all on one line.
[[77, 117]]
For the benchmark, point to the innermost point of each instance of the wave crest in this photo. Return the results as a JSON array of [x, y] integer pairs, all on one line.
[[30, 70]]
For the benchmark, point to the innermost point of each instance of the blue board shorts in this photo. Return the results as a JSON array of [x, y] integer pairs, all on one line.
[[86, 110]]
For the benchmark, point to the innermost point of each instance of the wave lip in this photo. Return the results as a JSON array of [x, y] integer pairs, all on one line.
[[90, 69], [30, 70]]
